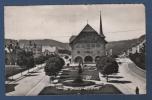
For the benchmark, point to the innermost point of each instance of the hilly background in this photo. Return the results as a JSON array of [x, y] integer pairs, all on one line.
[[46, 42], [120, 46], [116, 46]]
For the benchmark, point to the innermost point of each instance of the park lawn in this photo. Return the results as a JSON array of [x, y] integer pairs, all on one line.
[[71, 75], [106, 89]]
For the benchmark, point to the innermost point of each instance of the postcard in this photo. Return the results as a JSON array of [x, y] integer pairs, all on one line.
[[85, 49]]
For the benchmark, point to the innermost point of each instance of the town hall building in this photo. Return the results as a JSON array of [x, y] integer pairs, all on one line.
[[88, 45]]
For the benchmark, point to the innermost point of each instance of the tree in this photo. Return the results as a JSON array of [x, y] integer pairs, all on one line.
[[54, 65], [29, 60], [107, 66], [108, 69], [21, 58], [101, 62], [25, 59], [40, 60], [11, 49]]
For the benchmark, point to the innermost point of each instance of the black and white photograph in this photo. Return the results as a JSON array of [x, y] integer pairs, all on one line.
[[86, 49]]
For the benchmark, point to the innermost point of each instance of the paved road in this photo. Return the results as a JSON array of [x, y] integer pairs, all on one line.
[[127, 80], [26, 85], [136, 79], [19, 76]]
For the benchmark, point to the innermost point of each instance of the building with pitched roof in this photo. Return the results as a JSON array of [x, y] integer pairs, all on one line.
[[88, 45], [48, 50]]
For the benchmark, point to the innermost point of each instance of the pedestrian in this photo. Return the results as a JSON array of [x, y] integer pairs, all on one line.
[[137, 90]]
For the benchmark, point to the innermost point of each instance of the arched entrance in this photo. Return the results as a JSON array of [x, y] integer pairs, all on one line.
[[97, 58], [88, 59], [78, 59]]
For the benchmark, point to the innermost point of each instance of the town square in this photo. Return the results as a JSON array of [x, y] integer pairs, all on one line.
[[75, 50]]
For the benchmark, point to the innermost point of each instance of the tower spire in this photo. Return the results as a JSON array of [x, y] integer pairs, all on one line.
[[101, 32]]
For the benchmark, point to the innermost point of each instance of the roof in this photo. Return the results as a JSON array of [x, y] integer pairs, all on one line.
[[102, 35], [86, 29], [101, 31], [49, 48], [72, 38]]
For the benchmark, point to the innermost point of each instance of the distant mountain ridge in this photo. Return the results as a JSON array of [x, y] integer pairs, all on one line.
[[119, 46], [45, 42], [116, 46]]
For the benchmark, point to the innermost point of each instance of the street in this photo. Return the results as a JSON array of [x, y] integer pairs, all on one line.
[[25, 85], [126, 81], [135, 79]]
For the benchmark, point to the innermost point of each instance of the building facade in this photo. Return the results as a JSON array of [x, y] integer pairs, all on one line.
[[36, 49], [88, 45], [48, 50]]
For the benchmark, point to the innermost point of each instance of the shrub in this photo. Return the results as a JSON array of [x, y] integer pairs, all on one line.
[[66, 57], [114, 56]]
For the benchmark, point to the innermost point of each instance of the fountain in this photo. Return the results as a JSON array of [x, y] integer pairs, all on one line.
[[78, 81]]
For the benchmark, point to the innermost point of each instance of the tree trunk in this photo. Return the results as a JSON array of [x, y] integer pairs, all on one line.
[[28, 70], [107, 78], [21, 73]]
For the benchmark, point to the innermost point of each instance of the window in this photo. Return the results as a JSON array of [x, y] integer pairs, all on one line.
[[98, 45], [88, 45], [93, 45], [89, 52], [98, 52], [78, 52], [77, 46], [82, 45]]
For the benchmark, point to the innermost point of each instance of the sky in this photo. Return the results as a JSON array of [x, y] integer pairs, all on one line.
[[60, 22]]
